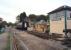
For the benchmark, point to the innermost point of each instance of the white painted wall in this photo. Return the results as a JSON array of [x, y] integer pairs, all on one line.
[[57, 26], [68, 20]]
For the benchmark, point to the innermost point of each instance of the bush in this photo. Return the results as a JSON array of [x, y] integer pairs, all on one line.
[[2, 30]]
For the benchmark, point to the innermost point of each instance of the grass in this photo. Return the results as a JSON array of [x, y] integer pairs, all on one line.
[[8, 43]]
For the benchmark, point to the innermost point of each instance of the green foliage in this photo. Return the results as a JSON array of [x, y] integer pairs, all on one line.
[[41, 17], [36, 18], [21, 17], [18, 18], [3, 24], [11, 24], [32, 17]]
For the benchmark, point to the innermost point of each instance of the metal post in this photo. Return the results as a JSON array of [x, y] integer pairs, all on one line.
[[65, 13]]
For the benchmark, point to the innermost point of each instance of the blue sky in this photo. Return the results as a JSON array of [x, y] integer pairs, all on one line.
[[9, 9]]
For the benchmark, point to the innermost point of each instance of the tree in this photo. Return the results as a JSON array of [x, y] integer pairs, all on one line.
[[41, 17], [32, 17], [1, 20], [4, 23], [10, 24], [22, 16], [18, 18], [36, 18]]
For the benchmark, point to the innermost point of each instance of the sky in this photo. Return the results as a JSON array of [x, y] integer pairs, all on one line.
[[9, 9]]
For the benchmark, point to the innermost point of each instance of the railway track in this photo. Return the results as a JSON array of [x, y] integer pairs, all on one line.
[[18, 44], [32, 42], [15, 42]]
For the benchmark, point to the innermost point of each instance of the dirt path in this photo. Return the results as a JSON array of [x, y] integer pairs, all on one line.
[[3, 40], [35, 43]]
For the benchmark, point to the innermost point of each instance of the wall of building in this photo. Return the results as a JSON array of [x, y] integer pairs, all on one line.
[[57, 26], [68, 20], [57, 22], [56, 16]]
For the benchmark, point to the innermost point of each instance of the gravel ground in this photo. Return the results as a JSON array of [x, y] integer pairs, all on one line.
[[36, 43]]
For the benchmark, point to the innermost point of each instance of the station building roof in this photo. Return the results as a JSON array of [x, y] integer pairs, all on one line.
[[60, 9]]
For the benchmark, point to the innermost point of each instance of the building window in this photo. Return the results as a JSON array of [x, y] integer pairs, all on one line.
[[69, 18], [59, 18], [70, 15], [56, 19]]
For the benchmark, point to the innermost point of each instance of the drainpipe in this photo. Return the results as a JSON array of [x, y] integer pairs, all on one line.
[[65, 13], [49, 22]]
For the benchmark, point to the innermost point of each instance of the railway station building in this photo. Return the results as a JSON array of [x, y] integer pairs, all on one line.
[[60, 20]]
